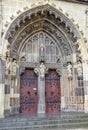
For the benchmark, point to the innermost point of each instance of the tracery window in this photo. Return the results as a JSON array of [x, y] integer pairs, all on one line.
[[33, 45]]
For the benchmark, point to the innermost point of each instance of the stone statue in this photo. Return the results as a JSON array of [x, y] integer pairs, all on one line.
[[41, 70], [7, 69], [69, 69], [79, 68], [14, 67], [42, 53]]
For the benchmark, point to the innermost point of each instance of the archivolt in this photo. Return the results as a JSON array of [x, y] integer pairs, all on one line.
[[43, 18]]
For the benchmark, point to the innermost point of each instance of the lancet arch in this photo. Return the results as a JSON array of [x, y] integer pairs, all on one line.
[[44, 17], [47, 29]]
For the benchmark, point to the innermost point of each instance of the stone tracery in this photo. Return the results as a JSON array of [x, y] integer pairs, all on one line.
[[32, 46]]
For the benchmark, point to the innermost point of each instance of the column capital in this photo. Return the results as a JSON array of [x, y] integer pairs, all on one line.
[[41, 70]]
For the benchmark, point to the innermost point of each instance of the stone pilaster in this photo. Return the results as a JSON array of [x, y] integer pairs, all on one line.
[[41, 71], [41, 98], [2, 78], [85, 78], [62, 81]]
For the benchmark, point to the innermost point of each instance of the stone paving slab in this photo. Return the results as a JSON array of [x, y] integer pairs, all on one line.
[[62, 129], [78, 129]]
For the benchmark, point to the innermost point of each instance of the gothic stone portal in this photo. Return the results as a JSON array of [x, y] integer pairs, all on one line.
[[29, 94]]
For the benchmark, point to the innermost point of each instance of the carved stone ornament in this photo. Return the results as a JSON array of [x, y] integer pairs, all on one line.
[[41, 70], [7, 68], [59, 72], [69, 70], [59, 66], [79, 68], [51, 21], [42, 53], [14, 65]]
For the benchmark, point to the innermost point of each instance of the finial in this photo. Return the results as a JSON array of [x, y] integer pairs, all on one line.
[[47, 1]]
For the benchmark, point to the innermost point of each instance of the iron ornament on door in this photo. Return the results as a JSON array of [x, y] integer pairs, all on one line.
[[52, 92], [29, 96]]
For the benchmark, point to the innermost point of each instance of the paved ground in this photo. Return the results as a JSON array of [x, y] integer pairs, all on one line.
[[66, 129], [73, 129], [77, 129]]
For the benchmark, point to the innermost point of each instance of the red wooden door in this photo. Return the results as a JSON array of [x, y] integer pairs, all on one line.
[[52, 92], [28, 97]]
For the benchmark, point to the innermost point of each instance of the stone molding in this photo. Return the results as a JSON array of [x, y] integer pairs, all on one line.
[[48, 19]]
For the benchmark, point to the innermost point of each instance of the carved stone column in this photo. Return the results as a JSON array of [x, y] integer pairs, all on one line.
[[79, 69], [70, 77], [41, 95], [85, 78], [2, 81], [41, 71]]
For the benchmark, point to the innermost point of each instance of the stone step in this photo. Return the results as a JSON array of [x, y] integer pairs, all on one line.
[[52, 117], [31, 123], [48, 126], [64, 120], [44, 121]]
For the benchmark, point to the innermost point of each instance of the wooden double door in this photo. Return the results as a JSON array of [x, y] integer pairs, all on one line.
[[29, 92], [52, 92]]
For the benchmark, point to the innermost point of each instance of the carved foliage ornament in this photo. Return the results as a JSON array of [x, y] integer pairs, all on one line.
[[41, 70]]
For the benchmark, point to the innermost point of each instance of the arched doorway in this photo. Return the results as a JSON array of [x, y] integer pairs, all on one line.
[[45, 35], [37, 49]]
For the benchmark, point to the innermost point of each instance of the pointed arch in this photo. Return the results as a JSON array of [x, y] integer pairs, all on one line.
[[44, 18]]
